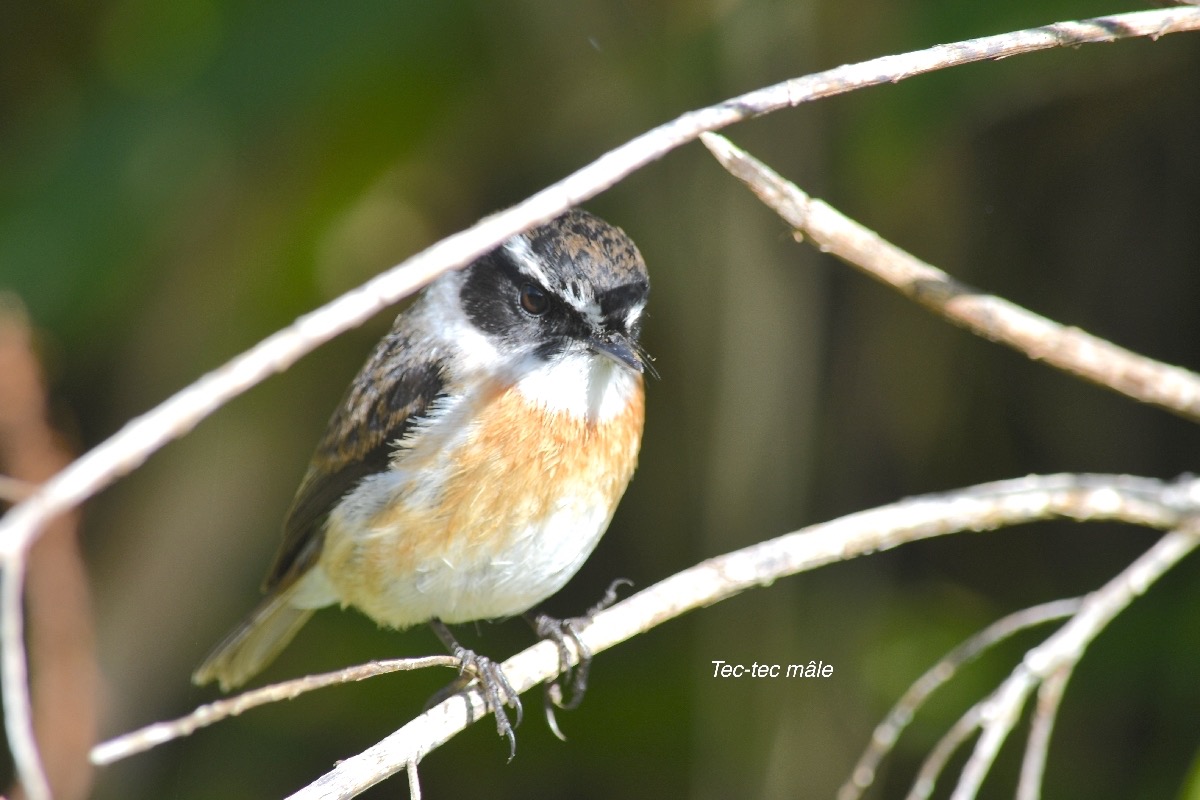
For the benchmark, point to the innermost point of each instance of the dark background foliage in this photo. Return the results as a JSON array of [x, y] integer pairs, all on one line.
[[180, 179]]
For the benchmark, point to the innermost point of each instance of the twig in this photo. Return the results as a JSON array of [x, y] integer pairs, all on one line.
[[1064, 649], [984, 507], [935, 763], [902, 713], [18, 714], [130, 446], [414, 781], [150, 736], [1041, 726], [1070, 349]]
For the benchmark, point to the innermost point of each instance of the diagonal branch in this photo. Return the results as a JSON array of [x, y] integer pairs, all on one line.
[[1070, 349], [152, 736]]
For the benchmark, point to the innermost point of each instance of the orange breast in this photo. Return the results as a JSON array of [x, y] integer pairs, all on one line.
[[520, 502]]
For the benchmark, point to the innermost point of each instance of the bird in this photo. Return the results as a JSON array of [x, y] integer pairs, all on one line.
[[477, 458]]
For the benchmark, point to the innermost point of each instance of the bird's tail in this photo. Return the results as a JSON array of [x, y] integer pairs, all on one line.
[[255, 643]]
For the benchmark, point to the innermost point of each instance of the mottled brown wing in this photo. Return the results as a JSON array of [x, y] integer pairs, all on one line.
[[389, 394]]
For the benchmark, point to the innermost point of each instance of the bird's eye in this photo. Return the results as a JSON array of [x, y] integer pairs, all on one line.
[[534, 300]]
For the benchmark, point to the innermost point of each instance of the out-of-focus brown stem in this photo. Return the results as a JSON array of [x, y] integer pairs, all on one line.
[[61, 639]]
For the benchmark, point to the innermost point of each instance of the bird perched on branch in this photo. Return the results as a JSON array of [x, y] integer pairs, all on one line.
[[478, 456]]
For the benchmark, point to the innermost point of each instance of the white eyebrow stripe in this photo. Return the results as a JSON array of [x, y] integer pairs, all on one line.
[[589, 308], [633, 315], [518, 247]]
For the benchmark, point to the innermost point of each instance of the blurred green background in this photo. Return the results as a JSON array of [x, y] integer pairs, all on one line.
[[178, 180]]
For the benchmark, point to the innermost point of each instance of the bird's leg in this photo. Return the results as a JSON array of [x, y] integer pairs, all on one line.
[[560, 631], [497, 691]]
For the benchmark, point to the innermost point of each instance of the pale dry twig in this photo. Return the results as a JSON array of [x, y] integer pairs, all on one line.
[[1070, 349], [150, 736]]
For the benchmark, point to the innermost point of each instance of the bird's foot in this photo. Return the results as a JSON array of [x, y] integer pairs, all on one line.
[[493, 684], [560, 631]]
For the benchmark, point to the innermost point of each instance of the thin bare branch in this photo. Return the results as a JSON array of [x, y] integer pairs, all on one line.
[[1066, 647], [935, 763], [18, 712], [985, 507], [414, 781], [150, 736], [1041, 726], [888, 731], [1070, 349]]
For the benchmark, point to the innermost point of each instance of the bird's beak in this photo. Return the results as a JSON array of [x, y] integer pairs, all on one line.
[[619, 348]]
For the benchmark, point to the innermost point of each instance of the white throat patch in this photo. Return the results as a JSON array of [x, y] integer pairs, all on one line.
[[583, 384]]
